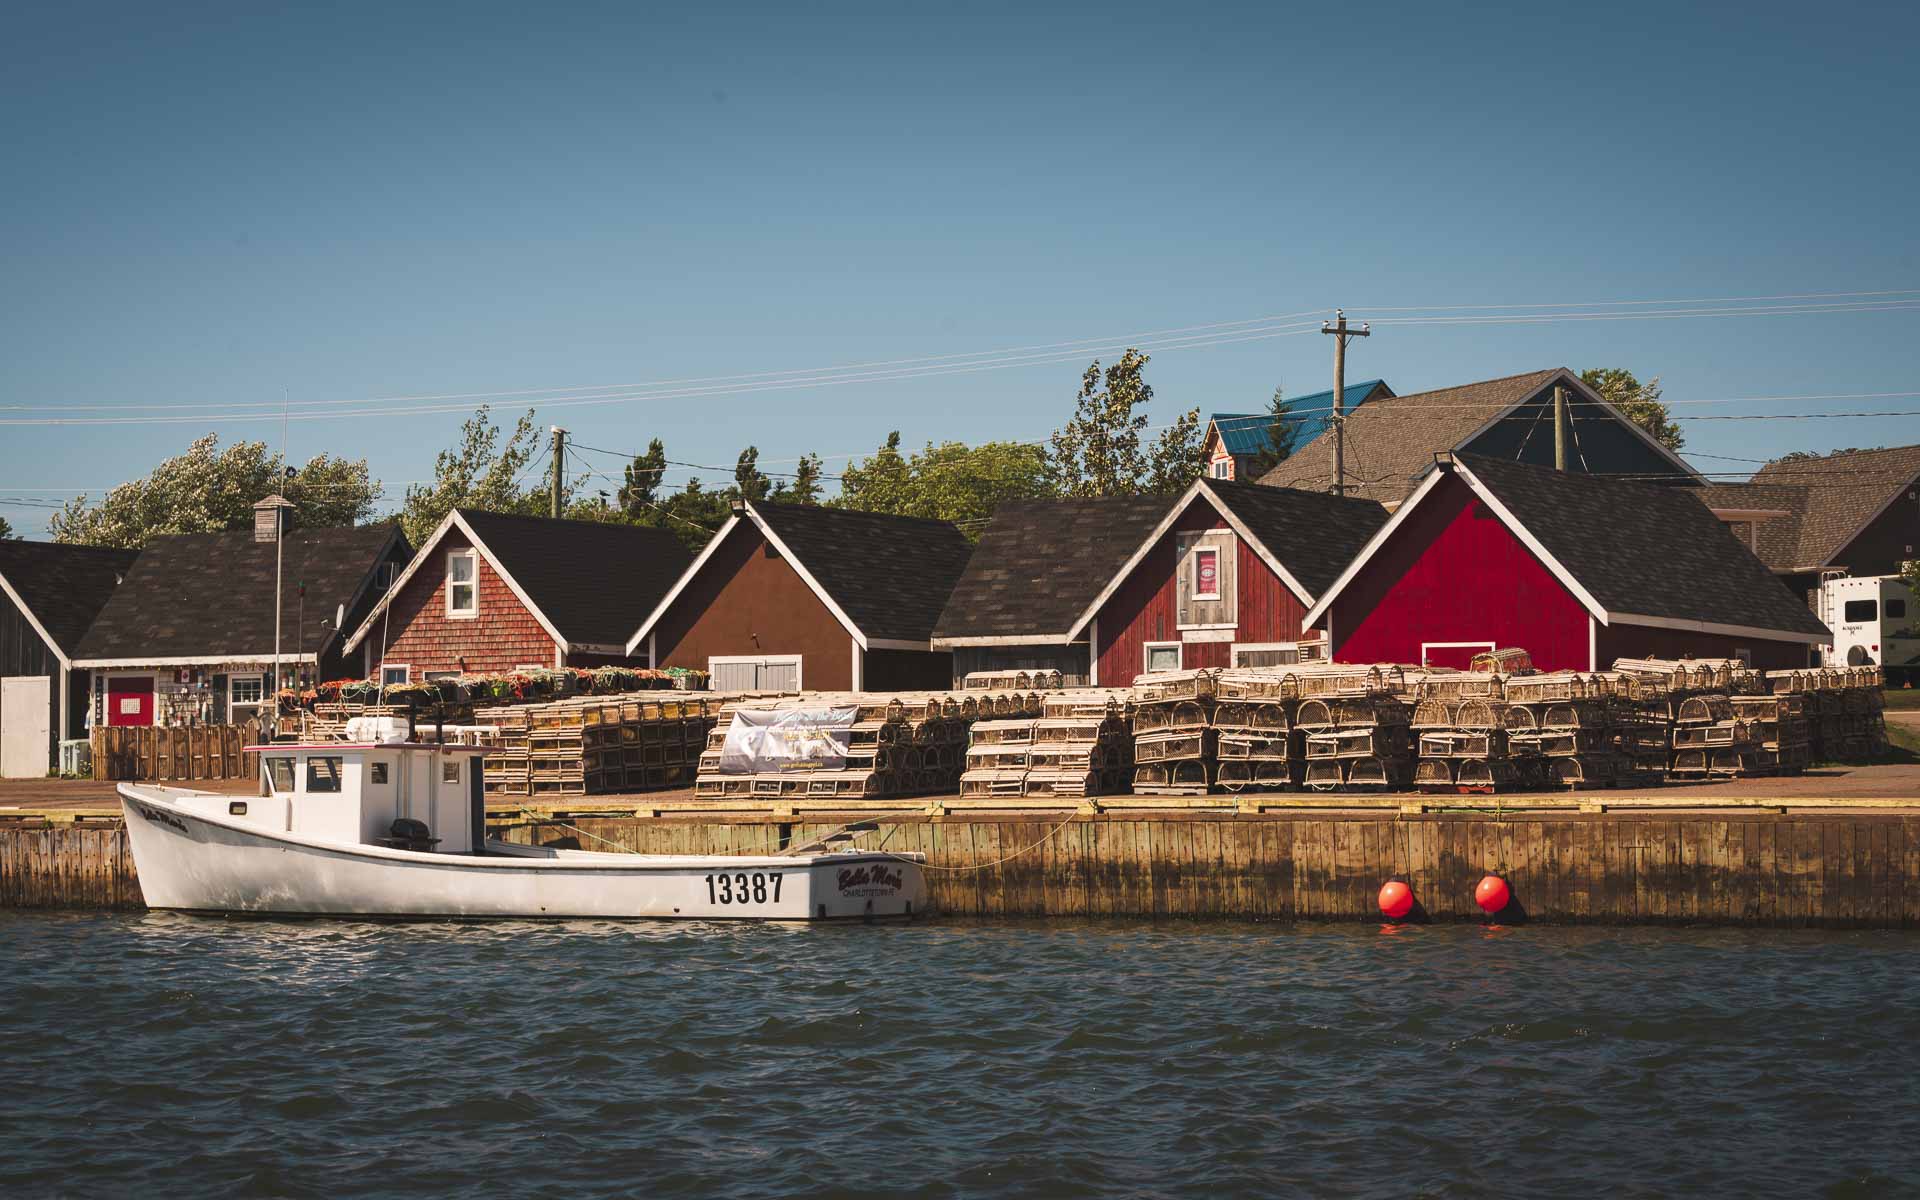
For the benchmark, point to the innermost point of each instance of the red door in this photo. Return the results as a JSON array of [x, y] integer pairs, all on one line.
[[130, 700], [1452, 654]]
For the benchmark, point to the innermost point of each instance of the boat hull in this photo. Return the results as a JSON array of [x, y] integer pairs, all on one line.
[[193, 861]]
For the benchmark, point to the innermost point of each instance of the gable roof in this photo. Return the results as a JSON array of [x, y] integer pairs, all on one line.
[[885, 578], [1303, 536], [1633, 553], [1037, 566], [586, 582], [1776, 539], [61, 589], [1246, 433], [1392, 440], [1839, 495], [208, 597]]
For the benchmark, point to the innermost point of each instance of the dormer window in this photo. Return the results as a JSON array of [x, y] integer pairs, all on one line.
[[463, 591]]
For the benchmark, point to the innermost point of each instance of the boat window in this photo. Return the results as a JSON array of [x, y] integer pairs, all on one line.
[[377, 772], [280, 774], [1862, 610], [449, 770], [323, 773]]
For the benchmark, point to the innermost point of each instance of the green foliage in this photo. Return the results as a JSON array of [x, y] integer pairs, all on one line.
[[951, 481], [6, 530], [1283, 438], [1910, 574], [643, 475], [694, 514], [805, 488], [1099, 452], [481, 472], [208, 489], [1639, 401], [749, 483]]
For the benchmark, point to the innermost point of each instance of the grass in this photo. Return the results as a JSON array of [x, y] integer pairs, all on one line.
[[1903, 737], [1903, 697]]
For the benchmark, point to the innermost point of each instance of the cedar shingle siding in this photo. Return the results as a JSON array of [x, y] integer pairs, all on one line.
[[420, 634]]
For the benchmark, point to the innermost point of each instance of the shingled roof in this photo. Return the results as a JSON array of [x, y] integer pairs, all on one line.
[[208, 597], [890, 575], [1040, 563], [588, 582], [1314, 534], [1776, 539], [62, 588], [1838, 495], [1634, 549]]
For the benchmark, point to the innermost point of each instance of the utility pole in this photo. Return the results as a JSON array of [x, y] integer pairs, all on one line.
[[1559, 427], [1338, 329], [559, 467]]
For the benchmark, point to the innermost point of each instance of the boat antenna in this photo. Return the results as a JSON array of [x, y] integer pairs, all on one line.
[[279, 558]]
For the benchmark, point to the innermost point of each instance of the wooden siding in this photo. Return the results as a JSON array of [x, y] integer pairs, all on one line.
[[747, 600], [1888, 540], [1070, 660], [420, 634], [1145, 608], [1645, 641], [23, 653], [1455, 573]]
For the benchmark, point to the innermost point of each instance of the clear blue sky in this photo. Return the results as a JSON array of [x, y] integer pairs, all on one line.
[[224, 204]]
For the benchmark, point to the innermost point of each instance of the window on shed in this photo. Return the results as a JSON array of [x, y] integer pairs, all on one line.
[[1206, 573], [1223, 468], [1861, 610], [1896, 609], [323, 773], [1163, 657], [393, 676], [463, 596]]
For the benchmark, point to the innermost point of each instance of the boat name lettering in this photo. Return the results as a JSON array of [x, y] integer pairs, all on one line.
[[163, 818], [870, 880]]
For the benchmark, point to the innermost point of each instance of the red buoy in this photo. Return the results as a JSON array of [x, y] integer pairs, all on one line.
[[1492, 894], [1396, 899]]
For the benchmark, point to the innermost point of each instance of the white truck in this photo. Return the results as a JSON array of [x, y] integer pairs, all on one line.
[[1874, 622]]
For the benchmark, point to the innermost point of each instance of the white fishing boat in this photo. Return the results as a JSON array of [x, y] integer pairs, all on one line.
[[397, 829]]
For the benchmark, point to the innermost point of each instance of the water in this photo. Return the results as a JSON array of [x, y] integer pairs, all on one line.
[[163, 1054]]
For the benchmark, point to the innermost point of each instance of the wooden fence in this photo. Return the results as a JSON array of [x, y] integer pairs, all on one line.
[[175, 755]]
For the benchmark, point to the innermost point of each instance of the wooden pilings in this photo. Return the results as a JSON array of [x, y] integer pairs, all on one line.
[[1850, 869]]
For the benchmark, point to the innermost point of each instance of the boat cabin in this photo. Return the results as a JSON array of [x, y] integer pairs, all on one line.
[[368, 793]]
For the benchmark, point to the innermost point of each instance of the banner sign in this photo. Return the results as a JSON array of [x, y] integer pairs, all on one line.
[[787, 739]]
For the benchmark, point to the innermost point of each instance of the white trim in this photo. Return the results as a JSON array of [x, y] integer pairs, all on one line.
[[1593, 642], [1752, 631], [406, 677], [1399, 517], [897, 644], [1877, 514], [21, 604], [1190, 634], [680, 584], [799, 568], [613, 648], [857, 672], [1751, 515], [1426, 646], [197, 660], [1038, 639], [1146, 655], [799, 665], [1214, 625], [471, 612], [453, 520], [1093, 653], [1197, 595], [653, 653], [1532, 543], [1180, 506]]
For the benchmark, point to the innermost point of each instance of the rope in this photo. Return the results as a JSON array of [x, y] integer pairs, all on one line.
[[983, 866], [539, 820]]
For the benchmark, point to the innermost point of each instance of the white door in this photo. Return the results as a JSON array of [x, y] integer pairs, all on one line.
[[25, 713], [740, 674]]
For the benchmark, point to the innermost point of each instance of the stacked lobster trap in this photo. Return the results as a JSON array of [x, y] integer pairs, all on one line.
[[898, 745], [1719, 718], [592, 745], [1078, 746], [1175, 750], [1845, 710]]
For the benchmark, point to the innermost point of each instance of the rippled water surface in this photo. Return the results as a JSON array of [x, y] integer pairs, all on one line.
[[182, 1055]]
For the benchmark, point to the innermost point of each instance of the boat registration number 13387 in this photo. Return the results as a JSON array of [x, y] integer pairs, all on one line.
[[758, 887]]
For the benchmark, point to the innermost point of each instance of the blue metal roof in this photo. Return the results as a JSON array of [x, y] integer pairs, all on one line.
[[1246, 433]]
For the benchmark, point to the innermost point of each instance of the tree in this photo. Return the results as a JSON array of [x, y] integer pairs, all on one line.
[[1639, 401], [950, 481], [208, 489], [694, 514], [1910, 574], [1098, 452], [805, 488], [882, 483], [643, 477], [1174, 460], [748, 481], [1282, 437], [6, 530], [481, 472]]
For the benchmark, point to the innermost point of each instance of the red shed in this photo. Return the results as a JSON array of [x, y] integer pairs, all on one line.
[[1224, 579], [791, 596], [1576, 569], [490, 592]]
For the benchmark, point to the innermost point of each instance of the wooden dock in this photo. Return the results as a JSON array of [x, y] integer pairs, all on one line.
[[1852, 863]]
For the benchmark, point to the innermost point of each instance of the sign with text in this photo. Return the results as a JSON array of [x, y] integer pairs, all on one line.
[[787, 739]]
